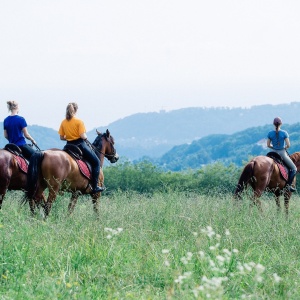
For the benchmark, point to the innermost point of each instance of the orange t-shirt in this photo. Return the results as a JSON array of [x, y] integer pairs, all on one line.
[[71, 129]]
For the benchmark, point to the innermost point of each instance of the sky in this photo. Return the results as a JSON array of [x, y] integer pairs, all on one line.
[[118, 58]]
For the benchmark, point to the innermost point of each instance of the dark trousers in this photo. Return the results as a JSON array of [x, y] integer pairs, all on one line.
[[27, 151], [91, 157]]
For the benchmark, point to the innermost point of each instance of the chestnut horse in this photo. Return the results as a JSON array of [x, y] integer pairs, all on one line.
[[263, 174], [12, 175], [58, 171]]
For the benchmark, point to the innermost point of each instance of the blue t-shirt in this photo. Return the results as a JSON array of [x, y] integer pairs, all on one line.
[[277, 139], [13, 126]]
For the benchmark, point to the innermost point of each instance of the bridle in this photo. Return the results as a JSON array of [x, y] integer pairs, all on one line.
[[108, 156]]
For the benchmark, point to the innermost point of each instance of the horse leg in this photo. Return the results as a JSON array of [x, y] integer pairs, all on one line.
[[277, 199], [72, 203], [96, 203], [255, 199], [3, 192], [287, 196], [51, 198], [1, 199]]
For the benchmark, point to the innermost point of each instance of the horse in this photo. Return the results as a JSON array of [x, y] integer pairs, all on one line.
[[60, 171], [263, 173], [13, 170]]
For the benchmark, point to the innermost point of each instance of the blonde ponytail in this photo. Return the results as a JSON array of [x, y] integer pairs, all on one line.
[[71, 110]]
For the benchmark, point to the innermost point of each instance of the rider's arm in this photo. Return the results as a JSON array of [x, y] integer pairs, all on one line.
[[27, 135], [5, 134], [287, 143], [269, 144], [83, 136]]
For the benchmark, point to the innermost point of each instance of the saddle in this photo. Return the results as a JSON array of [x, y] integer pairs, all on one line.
[[83, 165], [17, 153], [284, 170]]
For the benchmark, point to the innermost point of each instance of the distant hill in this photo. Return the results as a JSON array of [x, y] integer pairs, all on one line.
[[236, 148], [154, 134]]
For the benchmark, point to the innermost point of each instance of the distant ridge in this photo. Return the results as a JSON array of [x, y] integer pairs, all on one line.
[[154, 134]]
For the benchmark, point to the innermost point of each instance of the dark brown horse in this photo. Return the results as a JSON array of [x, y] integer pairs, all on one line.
[[58, 171], [263, 174], [13, 170], [11, 175]]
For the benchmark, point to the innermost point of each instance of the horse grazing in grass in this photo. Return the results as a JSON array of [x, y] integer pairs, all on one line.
[[262, 173], [13, 170], [60, 170]]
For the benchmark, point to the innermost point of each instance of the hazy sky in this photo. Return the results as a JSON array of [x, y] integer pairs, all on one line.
[[116, 58]]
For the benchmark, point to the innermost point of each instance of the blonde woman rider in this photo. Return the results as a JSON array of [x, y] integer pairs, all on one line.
[[72, 130], [15, 130], [278, 141]]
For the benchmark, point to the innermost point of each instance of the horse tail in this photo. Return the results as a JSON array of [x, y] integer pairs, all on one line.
[[34, 169], [245, 177]]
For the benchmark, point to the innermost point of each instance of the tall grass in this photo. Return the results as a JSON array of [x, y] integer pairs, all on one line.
[[165, 246]]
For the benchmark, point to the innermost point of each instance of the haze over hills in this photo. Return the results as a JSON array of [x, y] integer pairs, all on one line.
[[154, 134]]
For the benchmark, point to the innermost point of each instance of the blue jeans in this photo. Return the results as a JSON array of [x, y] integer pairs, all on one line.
[[27, 151]]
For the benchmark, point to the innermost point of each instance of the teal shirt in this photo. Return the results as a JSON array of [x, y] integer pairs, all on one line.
[[277, 138]]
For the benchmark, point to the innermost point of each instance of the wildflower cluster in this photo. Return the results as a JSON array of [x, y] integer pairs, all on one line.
[[112, 232], [218, 267]]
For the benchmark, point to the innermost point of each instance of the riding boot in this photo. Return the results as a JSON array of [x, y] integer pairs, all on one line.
[[292, 174], [94, 182]]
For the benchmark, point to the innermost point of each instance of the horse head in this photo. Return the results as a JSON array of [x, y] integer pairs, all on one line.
[[104, 143]]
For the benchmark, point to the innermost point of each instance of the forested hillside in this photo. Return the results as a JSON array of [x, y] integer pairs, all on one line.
[[235, 148]]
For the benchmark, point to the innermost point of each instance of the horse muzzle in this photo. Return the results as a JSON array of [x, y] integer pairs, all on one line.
[[114, 158]]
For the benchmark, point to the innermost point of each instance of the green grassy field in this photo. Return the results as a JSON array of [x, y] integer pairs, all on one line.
[[167, 246]]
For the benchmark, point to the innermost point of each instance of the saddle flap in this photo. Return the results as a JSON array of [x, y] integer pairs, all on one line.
[[22, 163], [280, 163], [85, 168], [73, 150]]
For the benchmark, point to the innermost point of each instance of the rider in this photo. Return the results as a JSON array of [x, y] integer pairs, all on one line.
[[279, 141], [73, 131], [15, 130]]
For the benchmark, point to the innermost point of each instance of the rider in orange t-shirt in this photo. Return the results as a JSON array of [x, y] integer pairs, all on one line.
[[73, 131]]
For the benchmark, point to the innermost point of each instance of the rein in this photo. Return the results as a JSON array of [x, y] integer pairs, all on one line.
[[100, 152]]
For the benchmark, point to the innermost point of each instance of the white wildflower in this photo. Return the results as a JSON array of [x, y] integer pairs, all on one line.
[[184, 260], [277, 279], [167, 263], [260, 268], [201, 253]]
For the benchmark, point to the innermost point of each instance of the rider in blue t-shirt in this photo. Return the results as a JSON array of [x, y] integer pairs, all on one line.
[[278, 141], [15, 130]]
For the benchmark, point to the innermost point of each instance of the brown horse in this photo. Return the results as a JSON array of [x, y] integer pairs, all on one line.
[[12, 177], [58, 171], [263, 174]]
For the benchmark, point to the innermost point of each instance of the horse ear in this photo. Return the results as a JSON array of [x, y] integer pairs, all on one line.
[[107, 133], [98, 132]]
